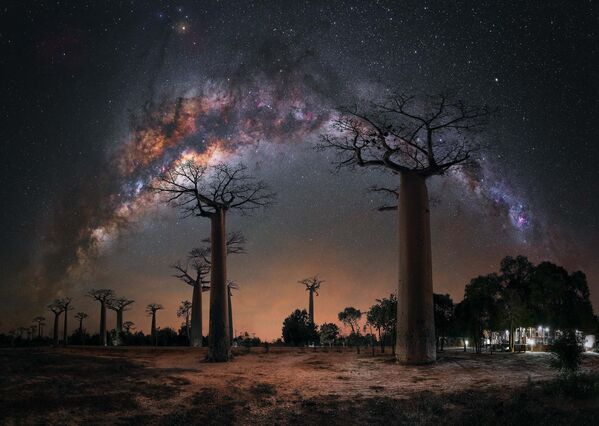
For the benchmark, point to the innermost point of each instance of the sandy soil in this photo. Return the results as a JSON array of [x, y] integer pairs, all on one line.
[[285, 386]]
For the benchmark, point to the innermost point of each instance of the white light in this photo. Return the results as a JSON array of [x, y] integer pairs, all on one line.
[[466, 342]]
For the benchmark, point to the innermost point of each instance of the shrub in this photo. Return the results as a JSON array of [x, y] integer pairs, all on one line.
[[567, 353]]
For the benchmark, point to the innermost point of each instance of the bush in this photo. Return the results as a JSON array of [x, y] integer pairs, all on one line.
[[567, 353]]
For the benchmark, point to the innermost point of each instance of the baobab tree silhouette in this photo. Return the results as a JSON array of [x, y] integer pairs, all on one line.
[[80, 316], [151, 310], [104, 296], [312, 285], [40, 325], [66, 308], [128, 326], [415, 137], [57, 308], [231, 285], [211, 191], [119, 306]]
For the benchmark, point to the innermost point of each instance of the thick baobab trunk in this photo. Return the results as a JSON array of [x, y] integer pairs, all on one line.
[[103, 340], [154, 337], [218, 337], [196, 316], [230, 308], [56, 329], [415, 319], [65, 338], [81, 331], [311, 306]]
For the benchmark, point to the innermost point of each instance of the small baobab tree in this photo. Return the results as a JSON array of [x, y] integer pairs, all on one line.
[[212, 191], [40, 325], [312, 285], [80, 316], [151, 310], [128, 326], [183, 311], [119, 305], [104, 296], [231, 285], [57, 308], [415, 137], [66, 307]]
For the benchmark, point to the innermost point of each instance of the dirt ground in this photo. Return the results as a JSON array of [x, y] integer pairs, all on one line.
[[285, 386]]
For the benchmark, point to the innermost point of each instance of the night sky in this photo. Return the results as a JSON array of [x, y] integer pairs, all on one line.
[[97, 97]]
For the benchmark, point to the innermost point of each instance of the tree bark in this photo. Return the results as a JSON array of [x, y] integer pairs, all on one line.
[[154, 338], [230, 307], [415, 318], [65, 337], [311, 306], [103, 340], [55, 334], [218, 338], [196, 316]]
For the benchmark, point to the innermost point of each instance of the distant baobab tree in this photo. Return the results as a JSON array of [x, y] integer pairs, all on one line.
[[104, 296], [128, 326], [151, 310], [119, 306], [415, 137], [231, 285], [57, 308], [312, 285], [66, 308], [183, 311], [40, 325], [80, 316], [211, 191]]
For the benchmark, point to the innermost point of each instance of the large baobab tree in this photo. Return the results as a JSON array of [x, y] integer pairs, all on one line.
[[231, 285], [312, 285], [151, 310], [80, 316], [104, 296], [183, 311], [415, 137], [40, 325], [119, 306], [66, 307], [211, 192], [57, 308]]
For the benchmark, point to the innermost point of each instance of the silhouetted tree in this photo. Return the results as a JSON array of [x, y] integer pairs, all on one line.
[[104, 296], [383, 317], [128, 326], [351, 316], [329, 332], [40, 325], [211, 191], [151, 310], [298, 330], [119, 306], [57, 308], [444, 310], [415, 137], [66, 308], [312, 286], [80, 316], [183, 311]]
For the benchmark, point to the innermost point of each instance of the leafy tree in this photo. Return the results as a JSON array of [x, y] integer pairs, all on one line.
[[444, 313], [329, 332], [383, 317], [351, 316], [298, 330], [567, 352]]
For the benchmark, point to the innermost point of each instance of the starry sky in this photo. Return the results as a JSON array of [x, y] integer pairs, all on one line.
[[97, 97]]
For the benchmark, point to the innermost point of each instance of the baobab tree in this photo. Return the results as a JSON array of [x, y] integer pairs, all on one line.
[[212, 191], [104, 296], [151, 310], [128, 326], [67, 308], [312, 285], [57, 308], [80, 316], [119, 306], [40, 325], [415, 137], [231, 285], [183, 311]]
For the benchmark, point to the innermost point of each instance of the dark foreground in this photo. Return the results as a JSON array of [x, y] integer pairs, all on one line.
[[172, 386]]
